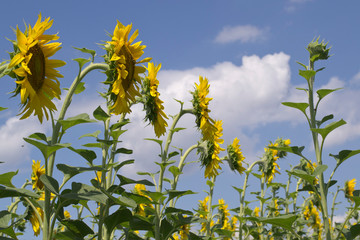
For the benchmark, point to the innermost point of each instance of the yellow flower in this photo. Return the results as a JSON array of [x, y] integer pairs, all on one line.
[[311, 213], [203, 207], [123, 75], [35, 221], [276, 206], [224, 213], [200, 103], [42, 196], [37, 80], [256, 211], [350, 187], [37, 172], [139, 189], [236, 157], [152, 103], [212, 162]]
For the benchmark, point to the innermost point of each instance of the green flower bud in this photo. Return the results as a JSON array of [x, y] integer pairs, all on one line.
[[318, 51]]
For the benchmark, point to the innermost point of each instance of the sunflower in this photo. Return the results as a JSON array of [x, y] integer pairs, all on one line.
[[123, 75], [35, 221], [35, 176], [200, 104], [152, 103], [311, 213], [212, 160], [235, 156], [139, 189], [256, 211], [36, 75], [350, 187]]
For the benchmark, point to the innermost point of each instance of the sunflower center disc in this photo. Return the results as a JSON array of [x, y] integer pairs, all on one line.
[[130, 67], [37, 67]]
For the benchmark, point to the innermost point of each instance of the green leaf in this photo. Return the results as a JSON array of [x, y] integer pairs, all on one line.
[[137, 223], [47, 150], [172, 154], [94, 134], [115, 134], [307, 74], [301, 106], [178, 129], [39, 136], [100, 114], [93, 145], [80, 191], [8, 231], [78, 227], [118, 125], [2, 109], [70, 171], [85, 50], [81, 61], [169, 210], [324, 119], [177, 194], [78, 119], [89, 155], [355, 231], [294, 150], [16, 192], [285, 221], [303, 175], [124, 151], [125, 181], [319, 170], [343, 155], [80, 88], [66, 235], [123, 163], [328, 128], [155, 140], [323, 92], [120, 216], [5, 178], [50, 183], [239, 190], [175, 171]]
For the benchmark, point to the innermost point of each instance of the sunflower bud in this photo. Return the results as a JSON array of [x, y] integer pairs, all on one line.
[[318, 51]]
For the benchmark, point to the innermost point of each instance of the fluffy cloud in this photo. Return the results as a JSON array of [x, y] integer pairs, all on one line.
[[242, 33]]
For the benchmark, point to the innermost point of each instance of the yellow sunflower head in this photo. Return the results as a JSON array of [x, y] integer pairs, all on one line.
[[224, 213], [123, 74], [235, 156], [200, 103], [209, 156], [35, 221], [256, 211], [141, 208], [36, 76], [349, 188], [37, 171], [152, 103]]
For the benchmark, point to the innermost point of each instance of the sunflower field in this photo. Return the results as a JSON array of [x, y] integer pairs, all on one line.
[[107, 204]]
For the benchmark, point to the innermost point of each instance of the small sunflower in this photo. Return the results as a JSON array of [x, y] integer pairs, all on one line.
[[236, 158], [152, 103], [36, 75], [35, 176], [35, 221], [211, 159], [349, 188], [123, 76], [256, 211], [223, 213], [311, 213], [139, 189], [200, 104]]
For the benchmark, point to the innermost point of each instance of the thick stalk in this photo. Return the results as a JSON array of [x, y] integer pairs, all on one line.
[[318, 154], [209, 216]]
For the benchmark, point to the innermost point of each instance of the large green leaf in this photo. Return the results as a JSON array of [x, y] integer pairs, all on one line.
[[301, 106], [294, 149], [5, 178], [120, 216], [303, 175], [284, 221], [319, 170], [80, 191], [343, 155], [323, 92], [72, 121], [45, 149], [78, 227], [100, 114], [139, 223], [125, 181], [328, 128], [70, 171], [89, 155], [16, 192], [176, 193], [307, 74], [50, 183], [94, 134]]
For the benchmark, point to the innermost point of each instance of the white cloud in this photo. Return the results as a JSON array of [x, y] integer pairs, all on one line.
[[242, 33]]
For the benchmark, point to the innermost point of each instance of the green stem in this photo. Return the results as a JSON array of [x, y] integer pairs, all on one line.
[[353, 209], [242, 196], [209, 216], [318, 154], [333, 205]]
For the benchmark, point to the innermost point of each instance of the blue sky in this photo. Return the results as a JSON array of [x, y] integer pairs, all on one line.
[[247, 49]]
